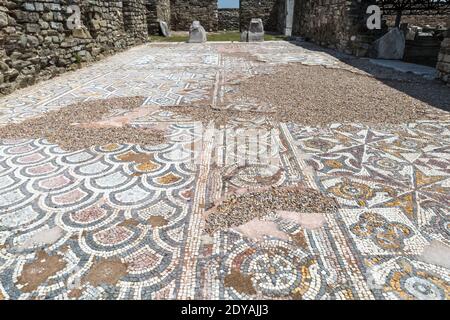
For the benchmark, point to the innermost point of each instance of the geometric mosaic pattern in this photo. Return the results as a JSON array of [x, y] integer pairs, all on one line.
[[141, 222]]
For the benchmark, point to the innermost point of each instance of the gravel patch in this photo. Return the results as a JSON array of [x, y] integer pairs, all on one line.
[[60, 126], [318, 96], [315, 95], [239, 209]]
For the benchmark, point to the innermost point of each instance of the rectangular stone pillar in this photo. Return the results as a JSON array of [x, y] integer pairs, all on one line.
[[289, 17]]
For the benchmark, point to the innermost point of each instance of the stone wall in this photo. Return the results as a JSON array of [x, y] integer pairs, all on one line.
[[443, 65], [267, 10], [228, 19], [183, 12], [157, 10], [37, 41], [339, 24], [135, 20], [420, 20]]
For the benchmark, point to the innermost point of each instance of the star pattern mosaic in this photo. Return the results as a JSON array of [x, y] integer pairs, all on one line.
[[127, 221]]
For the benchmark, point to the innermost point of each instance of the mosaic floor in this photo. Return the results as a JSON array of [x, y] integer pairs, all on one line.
[[109, 223]]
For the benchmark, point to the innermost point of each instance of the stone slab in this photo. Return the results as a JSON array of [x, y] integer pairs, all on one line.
[[164, 28], [417, 69], [390, 46]]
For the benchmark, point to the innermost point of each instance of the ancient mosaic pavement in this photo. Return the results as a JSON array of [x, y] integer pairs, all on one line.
[[127, 221]]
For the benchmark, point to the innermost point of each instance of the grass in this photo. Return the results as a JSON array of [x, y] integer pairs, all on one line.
[[219, 36]]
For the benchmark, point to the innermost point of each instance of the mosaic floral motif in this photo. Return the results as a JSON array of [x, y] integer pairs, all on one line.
[[254, 176], [319, 144], [277, 270], [410, 280], [281, 277], [349, 190], [386, 164], [387, 235]]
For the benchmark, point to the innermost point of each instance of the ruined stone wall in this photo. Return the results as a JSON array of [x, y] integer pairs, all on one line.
[[267, 10], [228, 19], [37, 42], [135, 20], [420, 20], [183, 12], [443, 65], [339, 24], [157, 10]]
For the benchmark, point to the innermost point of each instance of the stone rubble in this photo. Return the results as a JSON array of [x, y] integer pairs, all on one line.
[[74, 127]]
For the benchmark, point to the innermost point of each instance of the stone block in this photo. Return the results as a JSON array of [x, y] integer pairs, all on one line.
[[410, 34], [256, 31], [33, 28], [244, 36], [3, 67], [390, 46], [28, 6], [164, 28], [445, 58], [39, 6], [197, 33], [443, 67], [3, 19], [82, 33]]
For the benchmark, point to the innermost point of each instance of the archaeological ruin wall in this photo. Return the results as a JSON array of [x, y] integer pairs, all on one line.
[[339, 24], [443, 65], [157, 10], [420, 20], [267, 10], [40, 39], [183, 12], [228, 19], [135, 20]]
